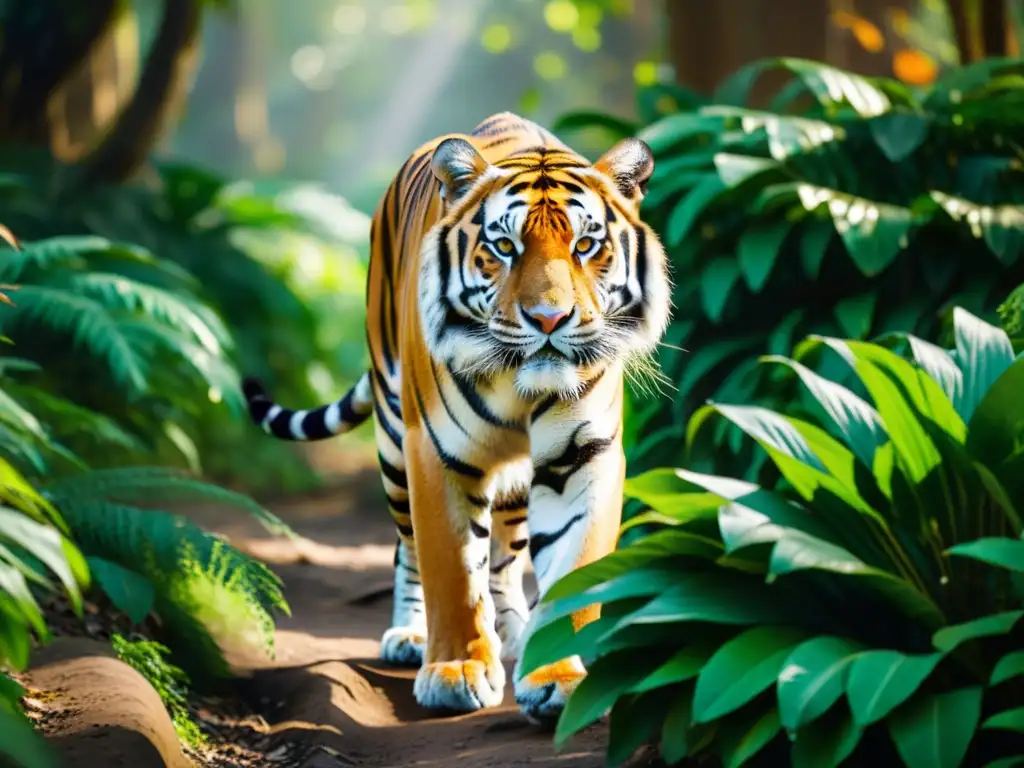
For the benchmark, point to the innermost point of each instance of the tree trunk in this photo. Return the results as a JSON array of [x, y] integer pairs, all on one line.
[[710, 41], [161, 92], [43, 46], [980, 27]]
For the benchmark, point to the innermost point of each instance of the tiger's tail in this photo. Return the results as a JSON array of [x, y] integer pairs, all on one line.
[[329, 420]]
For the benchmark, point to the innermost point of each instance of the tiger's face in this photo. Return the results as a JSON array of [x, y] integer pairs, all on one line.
[[541, 265]]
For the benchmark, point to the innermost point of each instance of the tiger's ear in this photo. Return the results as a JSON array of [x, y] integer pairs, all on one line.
[[630, 164], [456, 164]]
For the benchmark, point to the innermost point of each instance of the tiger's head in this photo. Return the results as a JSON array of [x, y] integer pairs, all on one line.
[[541, 265]]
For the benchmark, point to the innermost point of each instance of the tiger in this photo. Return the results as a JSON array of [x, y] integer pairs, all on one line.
[[510, 284]]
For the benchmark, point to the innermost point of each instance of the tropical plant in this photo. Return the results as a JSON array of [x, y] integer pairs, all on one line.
[[852, 207], [35, 554], [143, 284], [870, 607]]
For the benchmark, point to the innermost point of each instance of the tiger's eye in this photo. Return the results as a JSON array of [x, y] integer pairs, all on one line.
[[505, 246], [584, 245]]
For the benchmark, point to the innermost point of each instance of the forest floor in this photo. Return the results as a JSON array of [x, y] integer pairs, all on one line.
[[326, 699]]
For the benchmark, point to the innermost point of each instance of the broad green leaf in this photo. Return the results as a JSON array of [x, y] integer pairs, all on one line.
[[607, 679], [741, 669], [1008, 667], [650, 579], [1008, 720], [935, 731], [633, 721], [675, 731], [744, 526], [813, 678], [23, 746], [937, 363], [999, 225], [685, 664], [722, 597], [128, 591], [1007, 762], [630, 559], [741, 738], [814, 244], [733, 170], [758, 249], [797, 551], [855, 314], [879, 681], [688, 211], [1000, 551], [668, 131], [898, 135], [873, 232], [856, 420], [555, 639], [948, 638], [826, 743], [716, 283], [983, 353], [997, 423], [47, 544]]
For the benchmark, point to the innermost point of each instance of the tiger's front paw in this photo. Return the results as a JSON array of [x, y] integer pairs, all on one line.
[[463, 686], [542, 694], [403, 646]]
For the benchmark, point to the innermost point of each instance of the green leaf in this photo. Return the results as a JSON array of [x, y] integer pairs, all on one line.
[[758, 249], [716, 283], [813, 678], [999, 551], [607, 679], [634, 720], [742, 739], [1008, 667], [814, 245], [676, 731], [685, 664], [948, 638], [1008, 720], [827, 743], [879, 681], [797, 551], [741, 669], [855, 314], [686, 214], [20, 743], [1000, 225], [935, 731], [733, 170], [874, 233], [128, 591], [996, 426], [898, 135], [983, 353], [940, 366], [857, 421]]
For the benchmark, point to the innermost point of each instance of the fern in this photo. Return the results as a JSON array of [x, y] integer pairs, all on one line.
[[139, 484], [213, 600]]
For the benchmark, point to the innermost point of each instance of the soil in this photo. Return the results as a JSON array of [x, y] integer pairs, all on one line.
[[326, 700]]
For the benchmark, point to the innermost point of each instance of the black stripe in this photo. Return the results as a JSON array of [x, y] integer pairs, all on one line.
[[511, 504], [546, 405], [505, 563], [401, 506], [444, 400], [517, 520], [405, 530], [480, 531], [467, 388], [390, 431], [518, 545], [395, 475], [450, 462], [573, 458], [541, 541]]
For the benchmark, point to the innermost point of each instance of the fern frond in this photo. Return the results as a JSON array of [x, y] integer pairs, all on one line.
[[89, 325], [213, 600], [137, 485], [69, 419], [119, 292]]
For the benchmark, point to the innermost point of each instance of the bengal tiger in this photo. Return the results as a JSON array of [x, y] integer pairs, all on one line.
[[510, 283]]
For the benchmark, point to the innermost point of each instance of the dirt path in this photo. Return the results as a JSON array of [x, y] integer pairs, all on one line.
[[327, 682]]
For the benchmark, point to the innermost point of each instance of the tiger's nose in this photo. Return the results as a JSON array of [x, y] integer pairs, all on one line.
[[548, 319]]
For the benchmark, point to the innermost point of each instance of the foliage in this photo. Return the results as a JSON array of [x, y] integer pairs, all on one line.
[[126, 297], [149, 659], [877, 590], [853, 207], [35, 554]]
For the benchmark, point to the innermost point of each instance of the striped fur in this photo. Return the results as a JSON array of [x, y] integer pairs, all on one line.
[[510, 283]]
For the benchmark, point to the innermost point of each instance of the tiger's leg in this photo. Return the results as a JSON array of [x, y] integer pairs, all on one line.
[[462, 668], [574, 516], [509, 539], [404, 641]]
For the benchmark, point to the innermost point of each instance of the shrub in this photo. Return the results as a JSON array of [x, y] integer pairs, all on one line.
[[870, 606], [849, 207]]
